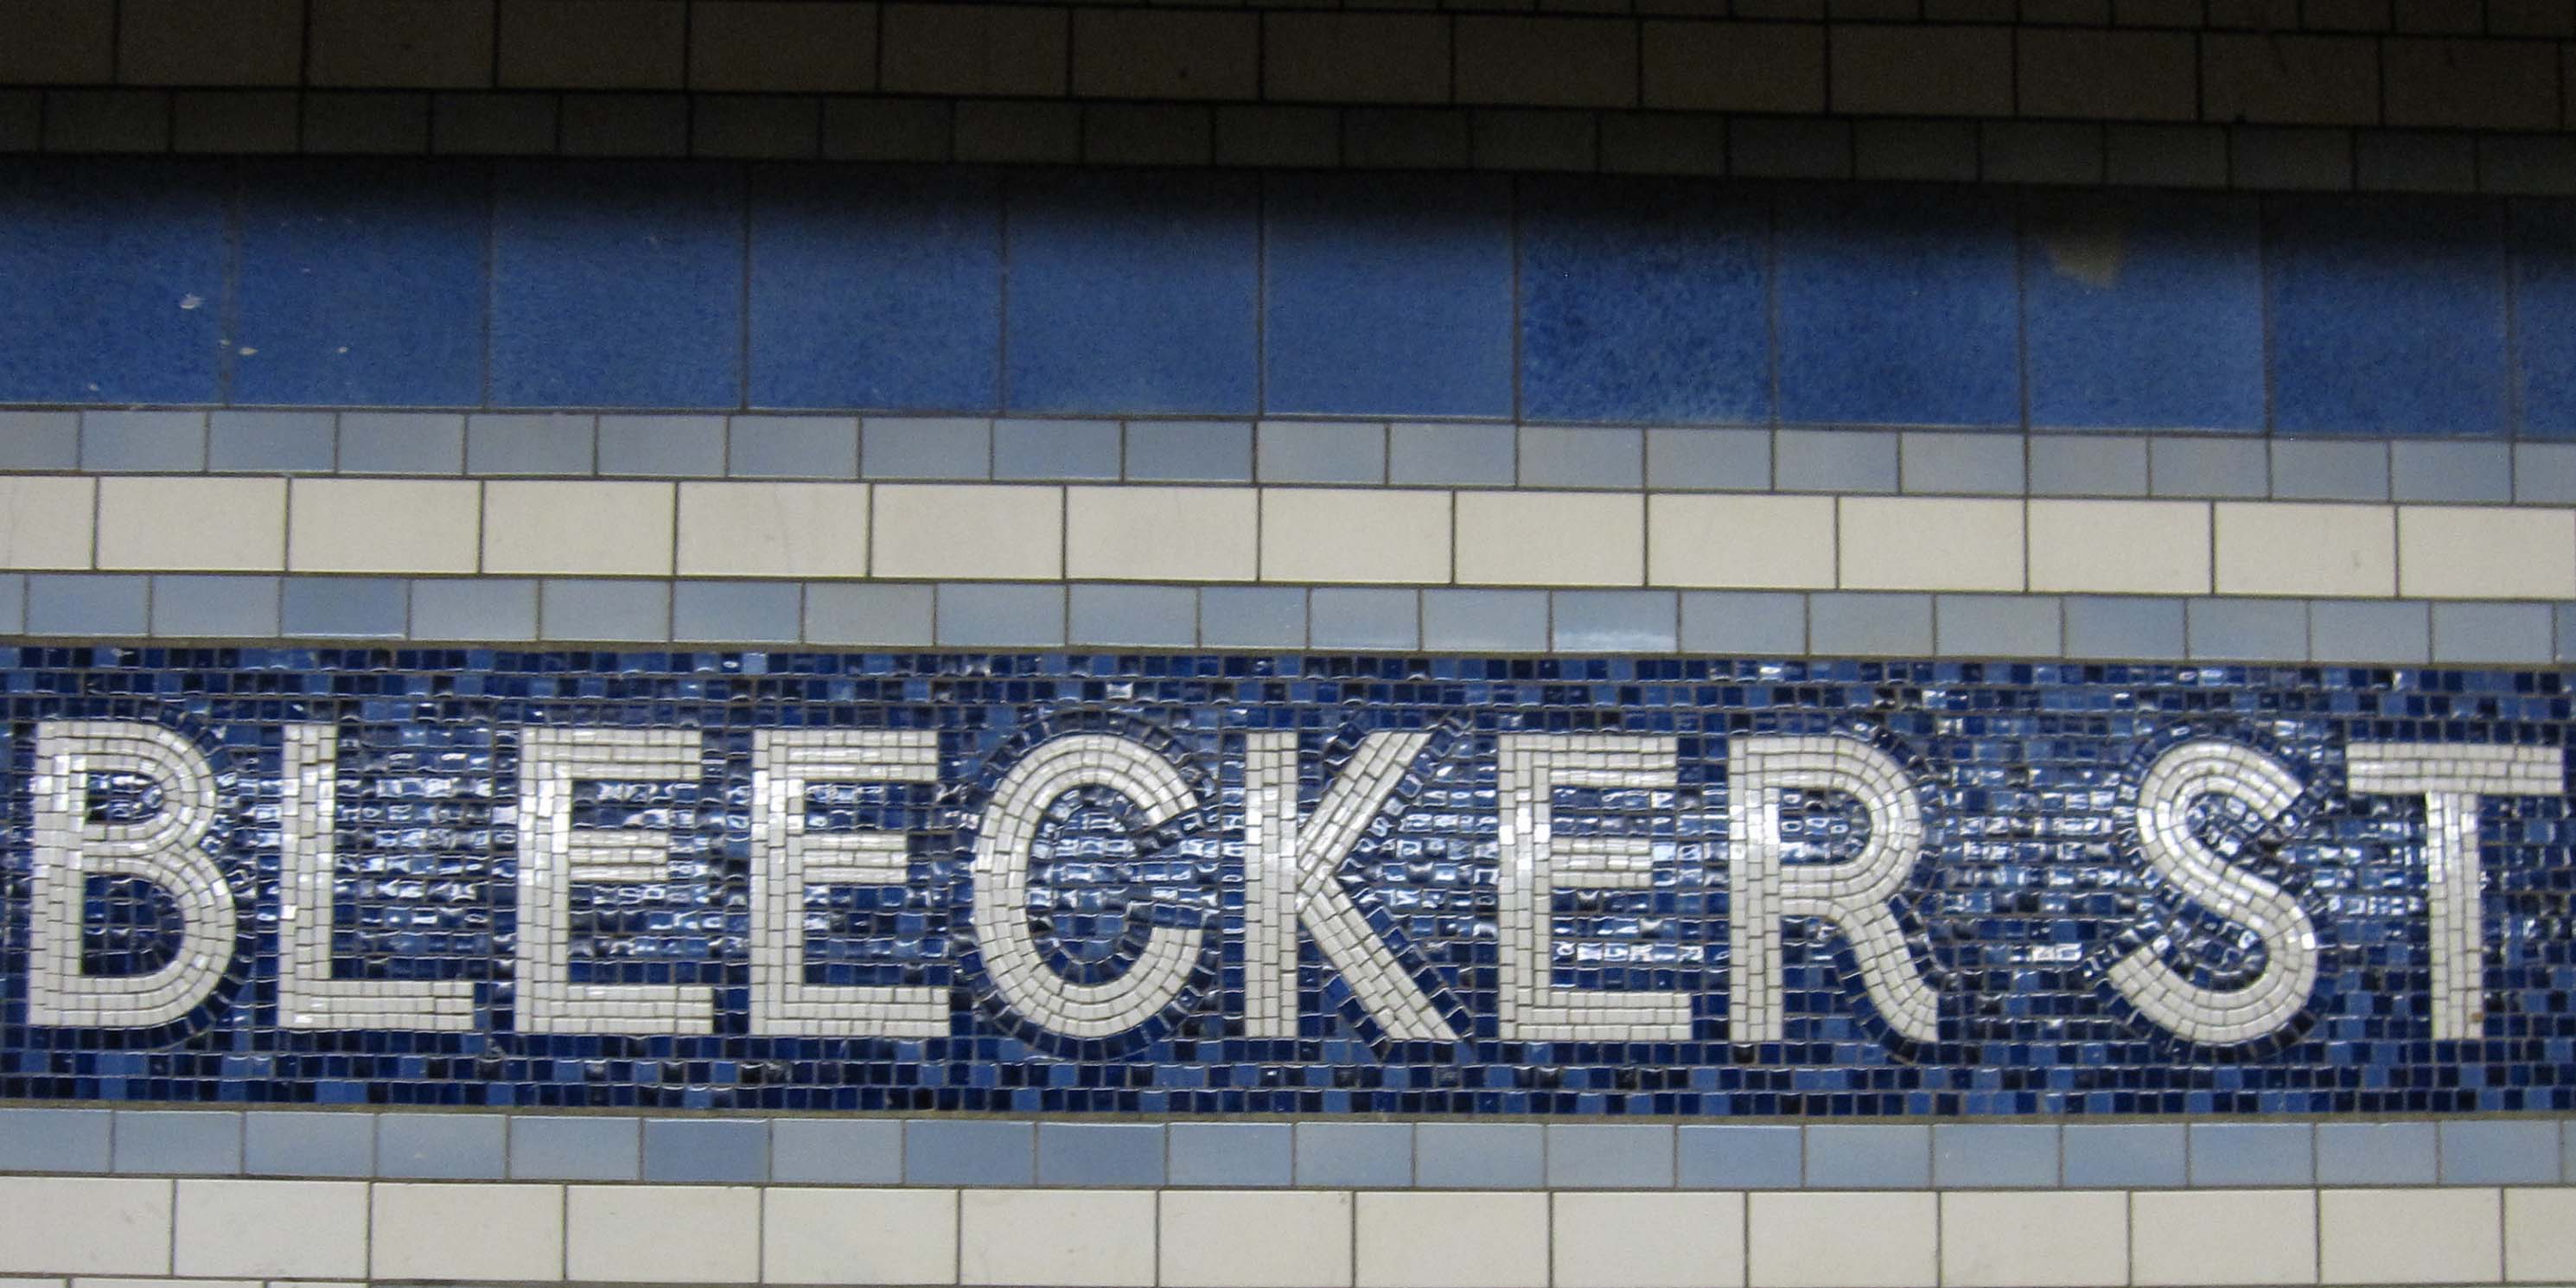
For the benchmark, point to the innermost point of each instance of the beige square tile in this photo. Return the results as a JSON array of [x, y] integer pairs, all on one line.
[[858, 1236], [577, 527], [1843, 1240], [1393, 535], [1618, 1240], [2223, 1237], [2410, 1236], [1454, 1240], [1551, 539], [773, 530], [1102, 1238], [1746, 542], [383, 525], [241, 1228], [46, 521], [2280, 548], [2032, 1240], [969, 532], [155, 524], [2485, 552], [518, 1232], [1256, 1238], [84, 1226], [1162, 533], [662, 1233], [1930, 543], [2120, 547]]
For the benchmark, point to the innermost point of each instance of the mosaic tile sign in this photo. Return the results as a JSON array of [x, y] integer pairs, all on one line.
[[1283, 884]]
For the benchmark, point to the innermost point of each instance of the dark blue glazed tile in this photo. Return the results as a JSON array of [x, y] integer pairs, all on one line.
[[2544, 306], [1643, 301], [112, 280], [2144, 311], [617, 285], [1132, 292], [2388, 316], [876, 288], [362, 282], [1897, 306], [1372, 315]]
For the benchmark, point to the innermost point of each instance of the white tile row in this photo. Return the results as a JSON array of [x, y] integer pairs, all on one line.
[[197, 1231], [1388, 536]]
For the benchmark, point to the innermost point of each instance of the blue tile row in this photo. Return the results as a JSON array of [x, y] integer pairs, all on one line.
[[1368, 1155], [928, 290]]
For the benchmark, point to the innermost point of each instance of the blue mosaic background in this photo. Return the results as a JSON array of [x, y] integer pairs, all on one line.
[[678, 285], [2029, 886]]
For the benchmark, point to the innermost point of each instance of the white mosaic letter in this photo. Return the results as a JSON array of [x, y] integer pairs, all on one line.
[[1536, 862], [553, 856], [1291, 875], [1005, 850], [787, 860], [1763, 888], [308, 859], [2221, 1017], [165, 849], [2452, 779]]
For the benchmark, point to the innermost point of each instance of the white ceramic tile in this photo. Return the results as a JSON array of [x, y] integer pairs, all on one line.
[[1393, 535], [2485, 552], [1930, 543], [1638, 1240], [2410, 1236], [1740, 542], [2278, 548], [1162, 533], [1452, 1240], [773, 529], [84, 1225], [858, 1236], [47, 521], [2120, 547], [192, 524], [2223, 1237], [1866, 1240], [2030, 1240], [383, 525], [576, 527], [244, 1228], [1040, 1238], [2540, 1235], [1551, 539], [518, 1232], [662, 1233], [1255, 1238], [969, 532]]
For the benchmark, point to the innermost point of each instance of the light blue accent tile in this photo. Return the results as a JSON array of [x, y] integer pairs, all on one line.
[[1582, 458], [2119, 1155], [2491, 633], [1835, 460], [2122, 628], [1289, 451], [1732, 460], [1371, 316], [747, 612], [54, 1140], [2252, 1154], [574, 1149], [86, 604], [528, 444], [2368, 340], [835, 1151], [1501, 621], [178, 1142], [476, 609], [1252, 617], [116, 279], [39, 440], [605, 611], [2544, 473], [1898, 306], [2382, 1154], [2144, 311], [269, 442], [441, 1147], [1232, 1154], [394, 442], [1994, 1156], [956, 1152], [2566, 1150], [1480, 1155], [1452, 455], [1998, 625], [1352, 1156], [2341, 630], [1874, 1157], [937, 448], [1189, 451], [350, 297], [1973, 464], [715, 1151], [875, 287], [163, 442], [593, 265], [2247, 630], [981, 616], [308, 1143], [1055, 449], [1870, 625], [1139, 616], [242, 608], [2329, 470], [1744, 623], [1615, 621], [2083, 465], [2566, 621], [1100, 1154], [2216, 467], [892, 616], [346, 607], [13, 603], [793, 447], [2433, 470], [1615, 1156], [1132, 291], [1643, 300], [1373, 619], [687, 447], [1739, 1158]]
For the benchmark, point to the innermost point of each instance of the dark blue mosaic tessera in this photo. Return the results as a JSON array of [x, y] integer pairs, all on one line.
[[2030, 883]]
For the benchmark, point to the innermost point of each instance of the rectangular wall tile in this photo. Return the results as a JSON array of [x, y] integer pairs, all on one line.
[[2365, 341], [518, 1232], [2144, 311], [2027, 1240], [773, 530], [1368, 317], [1851, 1240], [1550, 539], [662, 1233], [52, 521], [2287, 549], [835, 1151], [1451, 1240], [230, 1228], [871, 1236], [209, 524], [1354, 1155], [1101, 1154], [2120, 547], [1647, 1240], [1926, 543], [178, 1142], [119, 267], [968, 532], [1897, 309], [1347, 535], [2539, 1234], [2486, 552], [1068, 1237], [383, 525], [305, 1143], [54, 1140], [1162, 533], [2237, 1237], [577, 528], [875, 288], [1749, 541], [85, 1226], [2410, 1236], [1255, 1240]]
